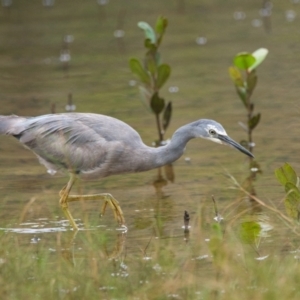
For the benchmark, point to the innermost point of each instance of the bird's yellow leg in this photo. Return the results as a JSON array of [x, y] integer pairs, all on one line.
[[108, 199], [64, 194]]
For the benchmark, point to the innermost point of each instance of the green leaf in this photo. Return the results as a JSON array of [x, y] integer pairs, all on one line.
[[249, 232], [151, 63], [241, 91], [292, 201], [167, 116], [163, 73], [292, 209], [236, 76], [157, 104], [252, 123], [145, 96], [137, 69], [148, 30], [251, 81], [161, 25], [259, 55], [157, 58], [244, 60], [148, 44], [292, 190], [286, 174]]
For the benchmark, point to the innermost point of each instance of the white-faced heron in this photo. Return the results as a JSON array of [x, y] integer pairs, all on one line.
[[95, 146]]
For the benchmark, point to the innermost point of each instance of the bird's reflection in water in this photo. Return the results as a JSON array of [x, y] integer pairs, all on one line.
[[160, 181]]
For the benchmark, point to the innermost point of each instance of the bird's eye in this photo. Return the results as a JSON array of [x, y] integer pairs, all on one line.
[[212, 132]]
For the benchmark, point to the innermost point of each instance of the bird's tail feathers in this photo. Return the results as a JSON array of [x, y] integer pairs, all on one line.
[[11, 125]]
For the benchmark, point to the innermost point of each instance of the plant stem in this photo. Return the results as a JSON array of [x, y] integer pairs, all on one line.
[[160, 134], [250, 141], [249, 108]]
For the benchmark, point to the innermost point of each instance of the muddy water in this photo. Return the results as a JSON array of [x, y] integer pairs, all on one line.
[[33, 79]]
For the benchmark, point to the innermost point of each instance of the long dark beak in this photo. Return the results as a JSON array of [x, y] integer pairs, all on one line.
[[227, 140]]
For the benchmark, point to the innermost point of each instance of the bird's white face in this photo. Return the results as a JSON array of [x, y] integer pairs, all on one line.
[[213, 132]]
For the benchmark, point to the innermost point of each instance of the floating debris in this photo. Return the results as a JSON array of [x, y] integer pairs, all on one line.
[[262, 257], [173, 89], [256, 23], [132, 82], [48, 3], [102, 2], [205, 256], [34, 240], [290, 15], [265, 12], [6, 3], [119, 33], [65, 56], [201, 40], [157, 268], [239, 15], [69, 38]]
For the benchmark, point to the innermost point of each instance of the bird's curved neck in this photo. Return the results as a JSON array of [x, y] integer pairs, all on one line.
[[157, 157]]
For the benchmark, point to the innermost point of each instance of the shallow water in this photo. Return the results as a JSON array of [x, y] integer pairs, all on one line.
[[156, 258]]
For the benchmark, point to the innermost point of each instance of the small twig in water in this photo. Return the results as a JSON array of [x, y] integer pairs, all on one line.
[[186, 219], [144, 250], [217, 217]]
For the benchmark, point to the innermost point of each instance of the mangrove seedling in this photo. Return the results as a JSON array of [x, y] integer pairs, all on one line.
[[244, 77], [153, 74]]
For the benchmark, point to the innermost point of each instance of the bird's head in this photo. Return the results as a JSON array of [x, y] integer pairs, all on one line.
[[214, 131]]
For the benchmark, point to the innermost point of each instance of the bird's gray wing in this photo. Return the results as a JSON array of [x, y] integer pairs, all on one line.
[[109, 128], [77, 142]]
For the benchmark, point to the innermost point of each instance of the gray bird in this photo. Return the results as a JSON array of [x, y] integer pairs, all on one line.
[[91, 146]]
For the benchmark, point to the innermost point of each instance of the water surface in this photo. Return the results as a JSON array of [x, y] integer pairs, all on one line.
[[41, 256]]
